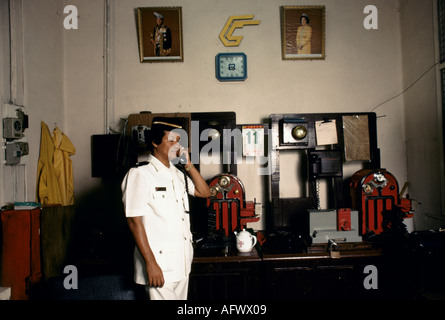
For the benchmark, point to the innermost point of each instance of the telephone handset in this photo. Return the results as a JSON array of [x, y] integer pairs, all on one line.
[[180, 163], [315, 166], [181, 159]]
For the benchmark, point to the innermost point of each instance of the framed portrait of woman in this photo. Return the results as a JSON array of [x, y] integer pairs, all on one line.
[[303, 32], [160, 34]]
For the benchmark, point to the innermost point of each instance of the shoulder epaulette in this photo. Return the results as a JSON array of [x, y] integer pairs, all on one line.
[[142, 163]]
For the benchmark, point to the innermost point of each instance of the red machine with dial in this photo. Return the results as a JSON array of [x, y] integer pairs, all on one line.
[[373, 193], [228, 202]]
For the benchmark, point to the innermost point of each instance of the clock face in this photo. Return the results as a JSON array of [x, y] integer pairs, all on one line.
[[231, 66]]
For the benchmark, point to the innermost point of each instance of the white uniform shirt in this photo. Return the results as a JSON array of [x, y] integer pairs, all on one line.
[[158, 195]]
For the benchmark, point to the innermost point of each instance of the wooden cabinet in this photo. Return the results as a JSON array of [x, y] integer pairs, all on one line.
[[316, 277], [20, 255], [310, 275], [220, 278]]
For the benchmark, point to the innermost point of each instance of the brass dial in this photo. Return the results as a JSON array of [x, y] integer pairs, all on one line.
[[299, 132], [224, 181]]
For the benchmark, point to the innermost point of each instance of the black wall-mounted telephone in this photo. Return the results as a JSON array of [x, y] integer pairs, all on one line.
[[325, 163]]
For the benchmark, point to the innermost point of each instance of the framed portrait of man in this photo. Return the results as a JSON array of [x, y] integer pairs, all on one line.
[[160, 34], [302, 32]]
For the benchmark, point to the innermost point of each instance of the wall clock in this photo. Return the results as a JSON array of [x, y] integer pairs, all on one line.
[[231, 66]]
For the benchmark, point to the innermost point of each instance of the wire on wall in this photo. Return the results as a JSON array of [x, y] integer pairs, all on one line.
[[407, 88]]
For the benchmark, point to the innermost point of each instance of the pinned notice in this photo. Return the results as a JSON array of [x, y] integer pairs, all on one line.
[[326, 132]]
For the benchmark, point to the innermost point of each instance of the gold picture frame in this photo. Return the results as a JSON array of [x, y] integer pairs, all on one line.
[[303, 32], [160, 34]]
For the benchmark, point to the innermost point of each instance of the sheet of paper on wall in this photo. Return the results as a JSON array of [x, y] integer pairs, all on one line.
[[326, 132], [253, 140], [356, 138]]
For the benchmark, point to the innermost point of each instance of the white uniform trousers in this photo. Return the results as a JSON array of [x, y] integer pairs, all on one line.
[[170, 291]]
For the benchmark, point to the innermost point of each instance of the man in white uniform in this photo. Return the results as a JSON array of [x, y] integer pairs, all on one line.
[[156, 205]]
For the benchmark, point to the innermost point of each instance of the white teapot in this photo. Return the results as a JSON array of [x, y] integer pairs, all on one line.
[[245, 241]]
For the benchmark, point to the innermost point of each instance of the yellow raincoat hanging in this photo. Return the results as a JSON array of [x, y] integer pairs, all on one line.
[[54, 170], [63, 165]]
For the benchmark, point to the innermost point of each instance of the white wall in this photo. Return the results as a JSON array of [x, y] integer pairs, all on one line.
[[4, 73], [362, 69], [37, 66], [424, 139]]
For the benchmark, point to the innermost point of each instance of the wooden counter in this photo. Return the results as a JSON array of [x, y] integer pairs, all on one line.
[[320, 251], [283, 276]]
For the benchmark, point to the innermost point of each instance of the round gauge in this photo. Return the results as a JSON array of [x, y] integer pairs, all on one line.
[[213, 191], [224, 181], [379, 178], [367, 188], [17, 125], [299, 132]]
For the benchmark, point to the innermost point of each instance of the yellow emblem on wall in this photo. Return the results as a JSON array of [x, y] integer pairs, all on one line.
[[226, 36]]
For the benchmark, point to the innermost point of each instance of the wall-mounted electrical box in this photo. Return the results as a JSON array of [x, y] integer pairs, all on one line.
[[12, 128], [15, 121], [15, 151]]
